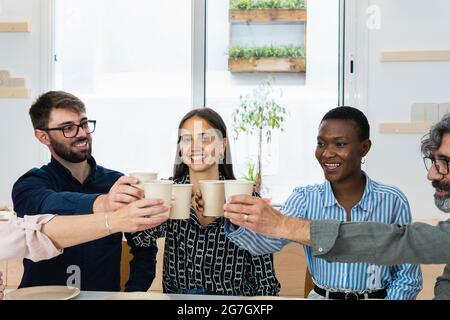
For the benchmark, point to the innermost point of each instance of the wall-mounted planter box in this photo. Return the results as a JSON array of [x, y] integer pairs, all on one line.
[[267, 15], [289, 65]]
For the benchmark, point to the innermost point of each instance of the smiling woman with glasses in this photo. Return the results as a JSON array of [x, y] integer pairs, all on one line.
[[71, 130]]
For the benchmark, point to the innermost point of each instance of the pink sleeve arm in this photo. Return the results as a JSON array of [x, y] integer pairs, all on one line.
[[22, 237]]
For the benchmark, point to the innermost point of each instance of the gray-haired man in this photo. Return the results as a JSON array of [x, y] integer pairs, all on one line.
[[368, 241]]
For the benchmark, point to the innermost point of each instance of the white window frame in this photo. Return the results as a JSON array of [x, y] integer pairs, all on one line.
[[356, 53]]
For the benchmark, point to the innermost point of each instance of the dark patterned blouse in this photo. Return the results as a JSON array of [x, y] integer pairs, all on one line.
[[202, 260]]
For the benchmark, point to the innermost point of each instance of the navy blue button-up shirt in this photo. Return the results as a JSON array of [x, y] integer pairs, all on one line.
[[52, 189]]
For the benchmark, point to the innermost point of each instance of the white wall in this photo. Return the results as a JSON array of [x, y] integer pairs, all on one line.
[[391, 88], [21, 54]]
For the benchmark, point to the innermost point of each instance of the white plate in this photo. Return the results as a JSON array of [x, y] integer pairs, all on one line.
[[44, 293]]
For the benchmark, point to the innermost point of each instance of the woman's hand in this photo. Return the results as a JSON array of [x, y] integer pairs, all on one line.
[[138, 216], [2, 287]]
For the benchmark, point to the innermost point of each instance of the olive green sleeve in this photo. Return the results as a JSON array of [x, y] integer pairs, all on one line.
[[378, 243]]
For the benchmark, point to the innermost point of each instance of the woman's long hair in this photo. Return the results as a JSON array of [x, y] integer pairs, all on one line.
[[215, 120]]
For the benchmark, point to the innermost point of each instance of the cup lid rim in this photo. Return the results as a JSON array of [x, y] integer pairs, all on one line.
[[159, 182], [142, 173], [211, 181], [238, 181]]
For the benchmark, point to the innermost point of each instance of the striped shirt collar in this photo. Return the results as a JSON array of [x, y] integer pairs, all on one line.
[[365, 203]]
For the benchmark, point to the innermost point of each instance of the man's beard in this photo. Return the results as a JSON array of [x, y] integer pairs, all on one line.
[[443, 203], [67, 154]]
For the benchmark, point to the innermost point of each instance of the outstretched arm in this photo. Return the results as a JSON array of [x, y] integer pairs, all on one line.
[[380, 243], [42, 237]]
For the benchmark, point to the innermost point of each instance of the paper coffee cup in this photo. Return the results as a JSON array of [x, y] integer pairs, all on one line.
[[144, 177], [159, 190], [237, 187], [182, 200], [213, 194]]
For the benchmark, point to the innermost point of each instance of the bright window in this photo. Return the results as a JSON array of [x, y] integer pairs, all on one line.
[[130, 61]]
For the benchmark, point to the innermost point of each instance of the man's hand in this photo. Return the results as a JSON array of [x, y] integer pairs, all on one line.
[[138, 216], [120, 194], [2, 287], [255, 214]]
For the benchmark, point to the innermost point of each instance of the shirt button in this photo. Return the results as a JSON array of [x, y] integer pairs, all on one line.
[[320, 249]]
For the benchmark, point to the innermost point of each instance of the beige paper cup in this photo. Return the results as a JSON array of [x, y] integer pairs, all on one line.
[[237, 187], [159, 190], [144, 177], [213, 194], [182, 199]]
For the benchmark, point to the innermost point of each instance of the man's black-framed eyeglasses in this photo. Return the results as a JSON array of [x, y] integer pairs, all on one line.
[[441, 164], [71, 130]]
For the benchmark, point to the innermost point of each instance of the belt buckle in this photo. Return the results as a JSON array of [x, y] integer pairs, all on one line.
[[351, 296]]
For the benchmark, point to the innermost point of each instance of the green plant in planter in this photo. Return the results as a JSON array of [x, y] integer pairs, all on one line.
[[267, 4], [251, 176], [239, 52], [258, 114]]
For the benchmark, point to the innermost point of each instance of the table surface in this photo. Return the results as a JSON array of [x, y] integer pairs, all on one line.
[[100, 295]]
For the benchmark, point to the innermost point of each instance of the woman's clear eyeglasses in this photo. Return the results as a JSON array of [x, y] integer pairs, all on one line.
[[205, 138]]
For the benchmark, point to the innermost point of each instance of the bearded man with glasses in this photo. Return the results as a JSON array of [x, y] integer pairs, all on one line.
[[71, 184]]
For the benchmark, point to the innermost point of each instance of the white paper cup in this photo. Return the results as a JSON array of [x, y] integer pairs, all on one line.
[[237, 187], [213, 194], [159, 190], [182, 200], [144, 177]]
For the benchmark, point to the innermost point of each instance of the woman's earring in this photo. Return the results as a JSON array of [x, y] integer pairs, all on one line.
[[363, 160]]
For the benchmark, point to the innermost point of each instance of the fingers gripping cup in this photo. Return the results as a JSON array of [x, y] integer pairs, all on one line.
[[237, 187], [213, 194], [144, 177], [181, 205], [159, 190]]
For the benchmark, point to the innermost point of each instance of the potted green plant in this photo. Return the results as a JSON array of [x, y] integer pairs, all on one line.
[[259, 113], [251, 175]]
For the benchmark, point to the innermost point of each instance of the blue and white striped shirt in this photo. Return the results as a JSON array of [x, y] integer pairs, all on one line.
[[380, 203]]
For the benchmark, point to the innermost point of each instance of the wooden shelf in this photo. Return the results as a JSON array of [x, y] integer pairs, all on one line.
[[267, 15], [14, 27], [414, 56], [405, 127], [14, 93], [287, 65]]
